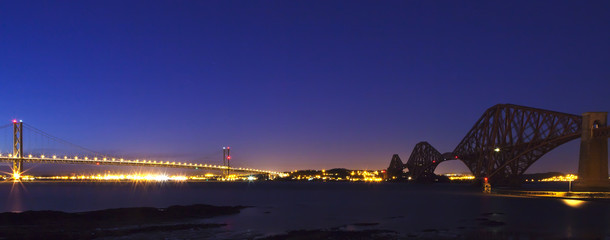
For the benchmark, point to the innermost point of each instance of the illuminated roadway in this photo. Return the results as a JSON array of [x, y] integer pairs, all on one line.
[[126, 162]]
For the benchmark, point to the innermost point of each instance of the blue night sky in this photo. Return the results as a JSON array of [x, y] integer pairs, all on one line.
[[296, 84]]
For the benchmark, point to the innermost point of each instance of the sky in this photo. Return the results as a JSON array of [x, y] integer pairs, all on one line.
[[296, 84]]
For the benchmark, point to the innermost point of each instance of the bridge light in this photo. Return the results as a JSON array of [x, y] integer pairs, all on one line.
[[20, 120], [75, 157], [41, 156], [95, 158], [14, 120], [54, 156], [228, 157], [433, 161], [30, 156], [104, 159], [456, 157], [496, 149], [86, 158], [65, 157]]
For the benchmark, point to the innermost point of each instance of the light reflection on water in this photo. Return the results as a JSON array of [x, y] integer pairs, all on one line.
[[282, 206], [573, 202], [15, 197]]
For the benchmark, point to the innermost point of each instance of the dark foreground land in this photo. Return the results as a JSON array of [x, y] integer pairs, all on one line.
[[107, 223]]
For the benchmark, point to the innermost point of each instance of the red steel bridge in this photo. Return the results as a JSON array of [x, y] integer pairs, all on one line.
[[507, 139], [18, 157]]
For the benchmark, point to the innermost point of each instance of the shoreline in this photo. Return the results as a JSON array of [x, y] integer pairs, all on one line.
[[584, 196]]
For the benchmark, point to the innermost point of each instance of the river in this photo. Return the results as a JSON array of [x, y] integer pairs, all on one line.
[[410, 209]]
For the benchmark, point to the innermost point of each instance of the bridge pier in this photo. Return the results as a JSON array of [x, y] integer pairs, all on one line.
[[593, 162]]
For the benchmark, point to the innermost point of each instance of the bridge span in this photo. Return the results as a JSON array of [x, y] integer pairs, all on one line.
[[18, 158], [127, 162]]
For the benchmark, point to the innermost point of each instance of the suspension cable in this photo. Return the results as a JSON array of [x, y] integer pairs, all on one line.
[[59, 140]]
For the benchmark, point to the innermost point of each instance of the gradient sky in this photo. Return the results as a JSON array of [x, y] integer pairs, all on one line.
[[296, 84]]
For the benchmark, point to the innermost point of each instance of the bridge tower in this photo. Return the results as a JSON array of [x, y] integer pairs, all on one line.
[[395, 170], [593, 162], [226, 159], [17, 149]]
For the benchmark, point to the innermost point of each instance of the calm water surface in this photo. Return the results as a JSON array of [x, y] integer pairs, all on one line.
[[282, 206]]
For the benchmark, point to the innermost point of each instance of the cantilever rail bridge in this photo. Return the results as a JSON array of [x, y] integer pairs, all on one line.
[[507, 139]]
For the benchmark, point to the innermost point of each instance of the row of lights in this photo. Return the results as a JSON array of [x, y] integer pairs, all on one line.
[[149, 162], [155, 162]]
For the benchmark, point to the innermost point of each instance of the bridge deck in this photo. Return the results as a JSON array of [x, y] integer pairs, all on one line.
[[141, 163]]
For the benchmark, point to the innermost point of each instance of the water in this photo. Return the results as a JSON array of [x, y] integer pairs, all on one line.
[[283, 206]]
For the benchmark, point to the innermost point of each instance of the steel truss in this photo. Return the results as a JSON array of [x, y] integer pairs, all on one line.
[[508, 139], [423, 160], [395, 169]]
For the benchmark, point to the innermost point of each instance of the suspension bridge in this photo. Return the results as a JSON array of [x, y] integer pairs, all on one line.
[[17, 157], [507, 139]]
